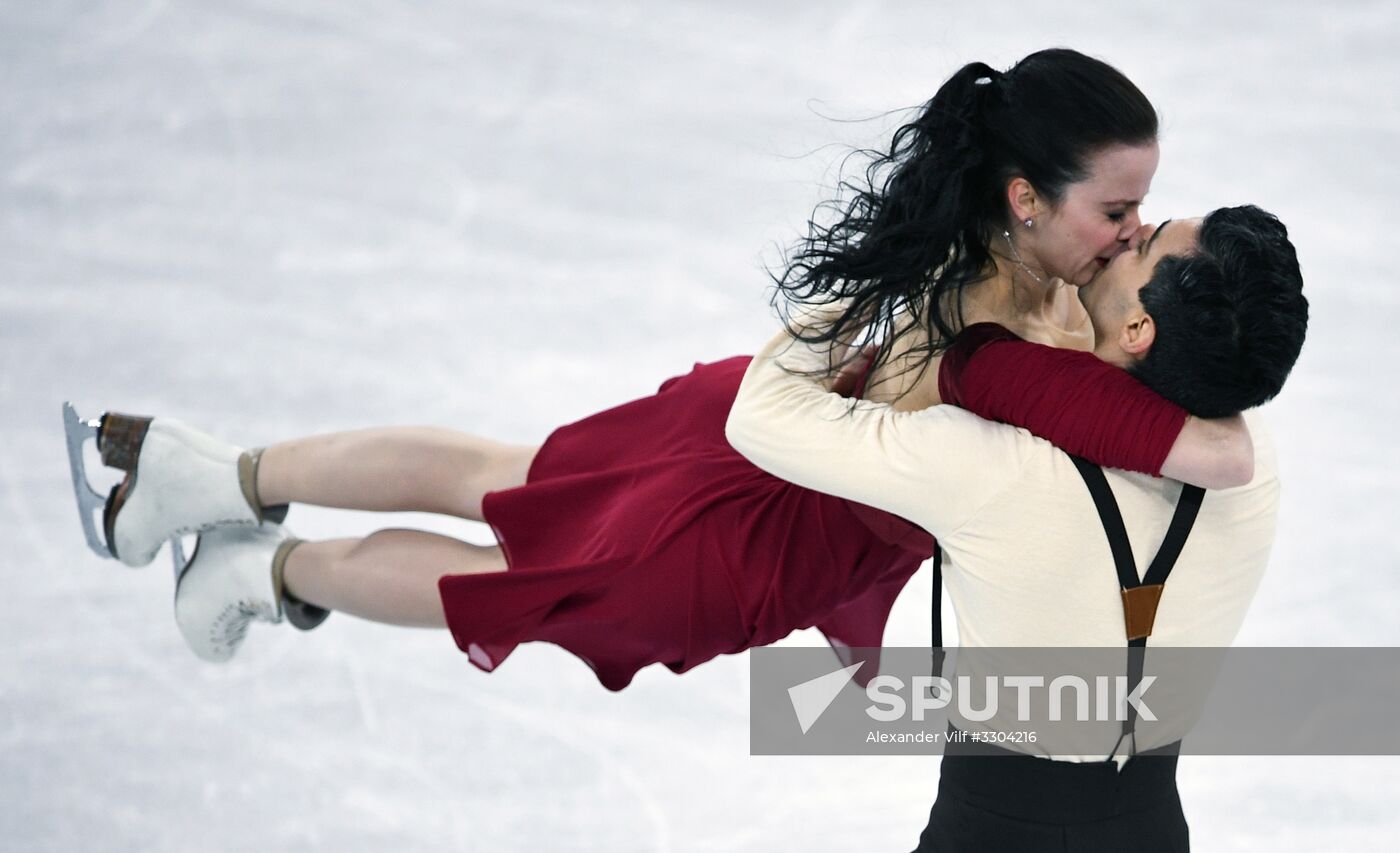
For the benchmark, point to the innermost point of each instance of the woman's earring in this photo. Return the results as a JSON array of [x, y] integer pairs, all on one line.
[[1029, 222]]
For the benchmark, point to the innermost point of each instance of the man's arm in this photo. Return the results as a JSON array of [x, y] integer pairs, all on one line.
[[936, 467]]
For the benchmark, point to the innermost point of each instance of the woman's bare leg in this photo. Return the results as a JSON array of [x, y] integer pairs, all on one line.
[[392, 469], [390, 576]]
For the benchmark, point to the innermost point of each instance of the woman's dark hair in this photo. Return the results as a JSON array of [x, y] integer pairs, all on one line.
[[917, 229], [1230, 318]]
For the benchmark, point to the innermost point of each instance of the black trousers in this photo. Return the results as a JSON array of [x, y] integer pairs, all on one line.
[[1009, 803]]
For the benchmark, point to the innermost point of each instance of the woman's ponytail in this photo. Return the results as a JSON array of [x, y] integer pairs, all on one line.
[[917, 229]]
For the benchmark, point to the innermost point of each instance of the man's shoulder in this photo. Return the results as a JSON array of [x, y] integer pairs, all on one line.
[[978, 428], [1003, 450], [1265, 452]]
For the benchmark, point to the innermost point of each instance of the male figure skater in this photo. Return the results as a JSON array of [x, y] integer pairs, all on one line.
[[1210, 314]]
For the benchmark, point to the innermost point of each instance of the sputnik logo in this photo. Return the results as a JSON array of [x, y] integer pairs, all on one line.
[[810, 699]]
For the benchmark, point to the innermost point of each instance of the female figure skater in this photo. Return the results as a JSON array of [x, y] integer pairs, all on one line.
[[638, 535]]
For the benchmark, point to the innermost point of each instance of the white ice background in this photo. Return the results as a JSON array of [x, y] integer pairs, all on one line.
[[274, 218]]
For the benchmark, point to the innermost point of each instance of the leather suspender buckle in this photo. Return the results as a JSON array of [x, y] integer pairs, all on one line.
[[1140, 609]]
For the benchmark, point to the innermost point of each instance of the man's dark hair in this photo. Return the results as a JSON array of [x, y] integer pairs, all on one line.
[[1230, 318]]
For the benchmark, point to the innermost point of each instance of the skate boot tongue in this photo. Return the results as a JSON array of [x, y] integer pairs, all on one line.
[[300, 614]]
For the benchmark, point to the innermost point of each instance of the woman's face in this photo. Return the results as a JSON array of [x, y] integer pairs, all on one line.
[[1096, 216]]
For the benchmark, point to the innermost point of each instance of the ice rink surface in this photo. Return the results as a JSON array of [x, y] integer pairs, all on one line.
[[271, 219]]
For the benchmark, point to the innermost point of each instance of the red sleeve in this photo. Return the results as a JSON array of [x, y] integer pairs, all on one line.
[[1071, 398]]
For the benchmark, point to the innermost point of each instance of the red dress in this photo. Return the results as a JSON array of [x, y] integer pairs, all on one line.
[[641, 536]]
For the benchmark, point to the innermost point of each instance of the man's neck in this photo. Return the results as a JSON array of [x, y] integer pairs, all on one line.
[[1106, 348]]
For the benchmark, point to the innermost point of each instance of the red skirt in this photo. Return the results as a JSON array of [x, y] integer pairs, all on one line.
[[641, 536]]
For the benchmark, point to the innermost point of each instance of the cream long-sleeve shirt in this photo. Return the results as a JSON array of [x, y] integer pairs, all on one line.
[[1027, 562]]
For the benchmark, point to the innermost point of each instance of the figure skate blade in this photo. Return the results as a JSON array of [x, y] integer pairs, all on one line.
[[90, 501]]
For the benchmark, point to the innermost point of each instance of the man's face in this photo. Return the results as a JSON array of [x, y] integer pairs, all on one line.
[[1122, 330]]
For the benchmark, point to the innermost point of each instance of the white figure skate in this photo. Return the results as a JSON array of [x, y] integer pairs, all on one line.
[[228, 583], [179, 481]]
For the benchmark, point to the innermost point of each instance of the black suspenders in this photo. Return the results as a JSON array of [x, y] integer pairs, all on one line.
[[936, 616], [1140, 597]]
